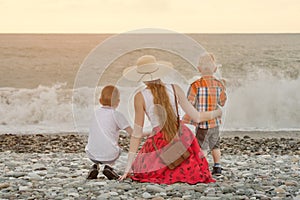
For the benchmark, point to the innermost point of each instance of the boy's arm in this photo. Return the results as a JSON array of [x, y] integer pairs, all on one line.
[[223, 96], [129, 130], [122, 123], [191, 96]]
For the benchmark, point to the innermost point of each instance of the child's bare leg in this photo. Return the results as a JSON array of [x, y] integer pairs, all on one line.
[[215, 145], [216, 154], [217, 169]]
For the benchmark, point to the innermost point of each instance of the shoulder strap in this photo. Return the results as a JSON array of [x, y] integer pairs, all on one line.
[[176, 105]]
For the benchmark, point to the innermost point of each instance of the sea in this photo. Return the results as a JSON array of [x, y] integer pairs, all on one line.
[[42, 90]]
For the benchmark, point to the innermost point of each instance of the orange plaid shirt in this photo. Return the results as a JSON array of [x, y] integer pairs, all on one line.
[[205, 94]]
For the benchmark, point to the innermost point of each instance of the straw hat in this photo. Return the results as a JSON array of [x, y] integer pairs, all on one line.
[[147, 68]]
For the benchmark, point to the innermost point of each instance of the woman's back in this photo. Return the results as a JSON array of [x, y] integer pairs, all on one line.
[[149, 104]]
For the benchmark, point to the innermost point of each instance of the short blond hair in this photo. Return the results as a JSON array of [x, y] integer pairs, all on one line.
[[207, 63], [110, 96]]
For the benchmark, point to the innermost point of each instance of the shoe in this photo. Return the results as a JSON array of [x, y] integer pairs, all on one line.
[[108, 167], [95, 166], [110, 173], [217, 171], [93, 173]]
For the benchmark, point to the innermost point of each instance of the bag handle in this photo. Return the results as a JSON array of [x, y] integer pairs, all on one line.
[[176, 105]]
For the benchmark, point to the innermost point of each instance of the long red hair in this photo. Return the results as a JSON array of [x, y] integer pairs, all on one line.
[[163, 109]]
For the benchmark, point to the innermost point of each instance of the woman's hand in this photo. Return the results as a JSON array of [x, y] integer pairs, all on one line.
[[137, 133], [223, 81], [124, 176], [219, 112]]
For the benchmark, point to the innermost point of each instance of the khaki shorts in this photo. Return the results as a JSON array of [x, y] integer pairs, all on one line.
[[208, 139]]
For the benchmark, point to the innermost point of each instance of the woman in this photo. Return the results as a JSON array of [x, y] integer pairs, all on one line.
[[157, 101]]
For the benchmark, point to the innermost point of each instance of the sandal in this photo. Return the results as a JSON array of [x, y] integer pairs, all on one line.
[[93, 173], [110, 174], [108, 167]]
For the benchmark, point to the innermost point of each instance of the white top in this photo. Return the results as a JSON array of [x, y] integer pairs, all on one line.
[[104, 134], [150, 111]]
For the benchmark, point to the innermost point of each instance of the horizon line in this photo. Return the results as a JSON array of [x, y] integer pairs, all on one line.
[[94, 33]]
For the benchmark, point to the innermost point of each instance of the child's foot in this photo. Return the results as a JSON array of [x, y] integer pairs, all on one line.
[[108, 167], [93, 173], [217, 171], [110, 173]]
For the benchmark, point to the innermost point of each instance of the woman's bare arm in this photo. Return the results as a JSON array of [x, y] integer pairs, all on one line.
[[191, 111], [137, 134]]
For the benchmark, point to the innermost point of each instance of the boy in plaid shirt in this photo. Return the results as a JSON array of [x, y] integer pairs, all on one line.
[[206, 94]]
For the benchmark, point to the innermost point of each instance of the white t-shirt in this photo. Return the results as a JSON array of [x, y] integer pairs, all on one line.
[[104, 134]]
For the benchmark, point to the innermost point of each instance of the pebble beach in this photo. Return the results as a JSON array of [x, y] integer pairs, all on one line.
[[55, 166]]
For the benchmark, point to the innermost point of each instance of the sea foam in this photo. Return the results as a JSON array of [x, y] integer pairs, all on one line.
[[263, 102]]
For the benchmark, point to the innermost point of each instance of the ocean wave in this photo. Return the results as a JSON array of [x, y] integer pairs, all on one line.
[[261, 103]]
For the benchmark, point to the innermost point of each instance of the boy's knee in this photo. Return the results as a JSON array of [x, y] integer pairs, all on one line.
[[200, 135]]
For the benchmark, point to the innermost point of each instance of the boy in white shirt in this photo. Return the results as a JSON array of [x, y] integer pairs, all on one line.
[[102, 146]]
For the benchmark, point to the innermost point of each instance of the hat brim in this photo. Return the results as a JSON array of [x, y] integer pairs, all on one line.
[[132, 74]]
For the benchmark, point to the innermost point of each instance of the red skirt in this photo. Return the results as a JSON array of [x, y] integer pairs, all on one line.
[[148, 167]]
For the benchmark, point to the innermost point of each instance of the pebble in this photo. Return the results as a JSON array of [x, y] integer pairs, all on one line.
[[35, 177], [4, 185], [125, 186], [15, 174], [103, 196], [113, 193], [38, 166], [73, 194], [158, 198], [291, 183], [154, 188], [187, 196], [146, 195]]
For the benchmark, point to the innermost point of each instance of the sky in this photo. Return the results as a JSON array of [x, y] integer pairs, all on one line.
[[118, 16]]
